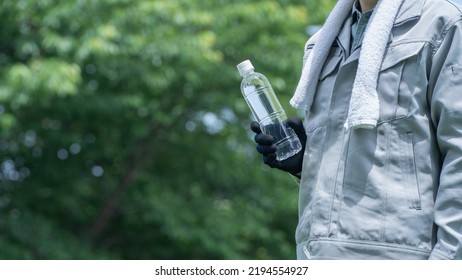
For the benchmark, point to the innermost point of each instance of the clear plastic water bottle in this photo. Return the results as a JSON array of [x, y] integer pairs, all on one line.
[[267, 110]]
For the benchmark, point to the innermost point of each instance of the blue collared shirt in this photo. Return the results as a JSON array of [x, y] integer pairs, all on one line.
[[359, 24]]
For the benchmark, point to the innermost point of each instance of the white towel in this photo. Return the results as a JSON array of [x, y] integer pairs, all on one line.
[[364, 104]]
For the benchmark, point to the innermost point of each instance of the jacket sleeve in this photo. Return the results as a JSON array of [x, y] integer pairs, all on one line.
[[445, 88]]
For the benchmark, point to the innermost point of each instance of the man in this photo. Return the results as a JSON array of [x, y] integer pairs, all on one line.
[[381, 170]]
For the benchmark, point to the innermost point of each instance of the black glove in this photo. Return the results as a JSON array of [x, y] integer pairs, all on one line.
[[266, 147]]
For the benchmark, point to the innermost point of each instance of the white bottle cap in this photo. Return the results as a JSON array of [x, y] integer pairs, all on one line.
[[244, 67]]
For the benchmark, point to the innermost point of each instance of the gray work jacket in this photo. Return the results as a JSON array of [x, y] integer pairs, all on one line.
[[393, 192]]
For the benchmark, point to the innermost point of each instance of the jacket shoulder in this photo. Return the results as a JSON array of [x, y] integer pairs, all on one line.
[[444, 9], [312, 40]]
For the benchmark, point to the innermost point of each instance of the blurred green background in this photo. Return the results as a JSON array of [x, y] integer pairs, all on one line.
[[124, 135]]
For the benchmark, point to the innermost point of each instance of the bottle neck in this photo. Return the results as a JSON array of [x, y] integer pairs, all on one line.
[[248, 72]]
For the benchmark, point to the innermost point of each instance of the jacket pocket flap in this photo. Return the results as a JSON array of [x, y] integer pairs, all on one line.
[[397, 53]]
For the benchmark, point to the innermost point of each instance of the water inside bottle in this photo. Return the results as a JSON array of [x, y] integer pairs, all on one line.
[[261, 104], [271, 117], [285, 139]]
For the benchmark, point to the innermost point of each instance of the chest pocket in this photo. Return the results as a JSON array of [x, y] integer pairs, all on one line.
[[397, 80]]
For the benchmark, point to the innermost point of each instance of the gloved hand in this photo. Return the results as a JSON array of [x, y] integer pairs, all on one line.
[[266, 147]]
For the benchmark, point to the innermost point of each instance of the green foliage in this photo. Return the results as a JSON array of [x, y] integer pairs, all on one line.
[[123, 134]]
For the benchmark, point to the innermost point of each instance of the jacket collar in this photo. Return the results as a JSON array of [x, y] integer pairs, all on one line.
[[344, 37], [410, 10]]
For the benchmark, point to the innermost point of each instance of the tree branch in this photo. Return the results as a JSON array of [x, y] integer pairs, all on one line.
[[138, 161]]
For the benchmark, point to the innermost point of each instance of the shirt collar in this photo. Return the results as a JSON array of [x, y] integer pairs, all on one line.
[[356, 12]]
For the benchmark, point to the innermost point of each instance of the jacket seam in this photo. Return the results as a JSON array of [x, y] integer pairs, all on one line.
[[440, 252], [371, 242], [387, 184], [343, 162]]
